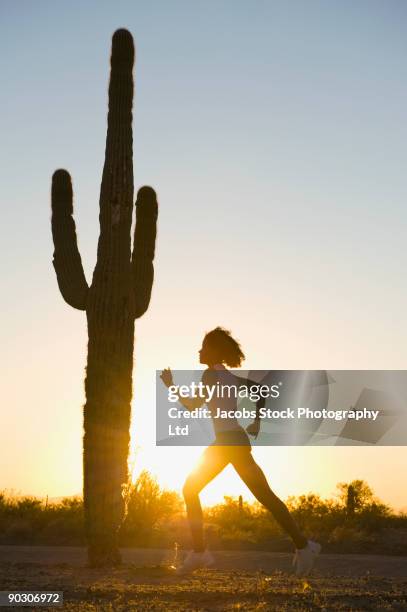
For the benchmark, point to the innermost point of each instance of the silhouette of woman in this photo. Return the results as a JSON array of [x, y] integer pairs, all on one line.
[[231, 445]]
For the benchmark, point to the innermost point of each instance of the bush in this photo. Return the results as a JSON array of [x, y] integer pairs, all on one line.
[[353, 521], [148, 506]]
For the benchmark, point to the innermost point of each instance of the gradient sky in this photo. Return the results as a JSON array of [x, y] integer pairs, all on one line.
[[275, 135]]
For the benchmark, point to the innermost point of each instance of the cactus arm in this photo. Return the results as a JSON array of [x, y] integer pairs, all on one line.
[[144, 247], [67, 260]]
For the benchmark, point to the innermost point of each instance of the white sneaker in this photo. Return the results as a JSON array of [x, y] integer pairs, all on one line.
[[195, 560], [305, 558]]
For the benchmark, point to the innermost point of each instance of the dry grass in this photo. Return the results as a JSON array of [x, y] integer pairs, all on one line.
[[156, 588]]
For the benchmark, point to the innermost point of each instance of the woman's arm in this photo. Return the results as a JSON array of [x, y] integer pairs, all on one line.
[[254, 428]]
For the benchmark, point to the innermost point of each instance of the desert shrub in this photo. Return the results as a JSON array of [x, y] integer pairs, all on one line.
[[231, 523], [315, 516], [237, 524], [20, 518], [347, 539], [148, 506], [352, 521], [64, 524], [19, 531]]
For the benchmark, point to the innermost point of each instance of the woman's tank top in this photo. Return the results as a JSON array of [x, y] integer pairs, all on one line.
[[227, 429]]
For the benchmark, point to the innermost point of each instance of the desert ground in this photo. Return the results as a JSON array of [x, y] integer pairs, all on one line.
[[239, 581]]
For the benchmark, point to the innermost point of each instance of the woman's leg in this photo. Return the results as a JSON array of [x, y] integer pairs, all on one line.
[[210, 465], [253, 476]]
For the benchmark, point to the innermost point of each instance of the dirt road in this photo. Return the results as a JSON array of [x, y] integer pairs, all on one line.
[[239, 581]]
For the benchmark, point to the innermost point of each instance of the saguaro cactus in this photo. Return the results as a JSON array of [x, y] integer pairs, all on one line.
[[119, 293]]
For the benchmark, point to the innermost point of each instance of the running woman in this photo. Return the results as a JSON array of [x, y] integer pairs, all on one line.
[[231, 445]]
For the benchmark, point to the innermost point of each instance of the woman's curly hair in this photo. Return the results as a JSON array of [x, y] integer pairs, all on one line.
[[225, 346]]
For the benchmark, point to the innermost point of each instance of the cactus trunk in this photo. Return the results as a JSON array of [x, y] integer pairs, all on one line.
[[106, 430], [119, 293]]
